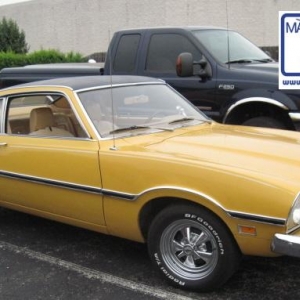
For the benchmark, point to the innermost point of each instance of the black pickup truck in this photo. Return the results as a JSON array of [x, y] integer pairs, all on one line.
[[232, 80]]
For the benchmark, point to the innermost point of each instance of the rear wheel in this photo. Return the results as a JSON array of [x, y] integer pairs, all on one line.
[[192, 248]]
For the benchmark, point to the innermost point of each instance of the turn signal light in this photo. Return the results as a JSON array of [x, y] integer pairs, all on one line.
[[250, 230]]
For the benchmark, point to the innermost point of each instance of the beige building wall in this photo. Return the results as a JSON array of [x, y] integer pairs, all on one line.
[[86, 26]]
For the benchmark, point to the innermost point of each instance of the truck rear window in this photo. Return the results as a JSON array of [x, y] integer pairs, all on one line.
[[125, 60]]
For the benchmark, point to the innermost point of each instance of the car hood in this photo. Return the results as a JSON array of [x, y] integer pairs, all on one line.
[[269, 152], [271, 67], [266, 72]]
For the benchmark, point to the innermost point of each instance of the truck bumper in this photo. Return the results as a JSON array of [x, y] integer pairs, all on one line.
[[286, 244]]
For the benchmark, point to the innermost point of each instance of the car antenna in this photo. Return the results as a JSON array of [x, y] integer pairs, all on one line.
[[227, 26], [111, 97]]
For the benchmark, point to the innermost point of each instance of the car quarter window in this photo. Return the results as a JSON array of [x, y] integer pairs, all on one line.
[[42, 115]]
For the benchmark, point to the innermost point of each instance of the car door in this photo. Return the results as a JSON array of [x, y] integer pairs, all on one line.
[[51, 176]]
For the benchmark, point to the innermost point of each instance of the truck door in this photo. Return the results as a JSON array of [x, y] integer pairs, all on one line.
[[160, 61]]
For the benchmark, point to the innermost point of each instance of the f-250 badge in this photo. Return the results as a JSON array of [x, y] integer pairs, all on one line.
[[226, 86]]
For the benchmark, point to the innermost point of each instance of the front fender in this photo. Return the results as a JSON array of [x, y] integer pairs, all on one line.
[[125, 220]]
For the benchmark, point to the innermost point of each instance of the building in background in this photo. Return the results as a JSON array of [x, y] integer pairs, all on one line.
[[86, 26]]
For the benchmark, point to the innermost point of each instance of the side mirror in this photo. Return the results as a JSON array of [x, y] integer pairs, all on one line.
[[184, 65], [187, 67]]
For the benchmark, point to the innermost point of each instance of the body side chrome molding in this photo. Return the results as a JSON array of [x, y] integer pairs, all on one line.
[[233, 214], [50, 182], [67, 185], [123, 196], [135, 197], [257, 218]]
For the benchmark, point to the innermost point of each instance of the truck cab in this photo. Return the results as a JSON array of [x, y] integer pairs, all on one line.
[[233, 81]]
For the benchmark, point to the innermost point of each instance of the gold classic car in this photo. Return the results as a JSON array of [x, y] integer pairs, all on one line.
[[130, 157]]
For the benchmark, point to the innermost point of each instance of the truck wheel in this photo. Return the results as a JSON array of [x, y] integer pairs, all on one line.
[[192, 248], [264, 122]]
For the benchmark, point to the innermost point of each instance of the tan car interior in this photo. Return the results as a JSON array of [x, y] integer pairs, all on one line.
[[42, 122], [42, 118]]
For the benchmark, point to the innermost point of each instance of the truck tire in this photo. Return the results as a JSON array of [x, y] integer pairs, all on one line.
[[192, 248], [264, 122]]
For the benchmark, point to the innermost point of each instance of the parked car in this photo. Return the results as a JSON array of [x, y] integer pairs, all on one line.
[[130, 157]]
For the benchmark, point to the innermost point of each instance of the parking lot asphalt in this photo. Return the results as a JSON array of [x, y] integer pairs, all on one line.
[[41, 259], [29, 277]]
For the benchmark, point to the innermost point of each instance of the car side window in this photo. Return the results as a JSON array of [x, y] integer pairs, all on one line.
[[47, 115], [126, 55], [163, 52]]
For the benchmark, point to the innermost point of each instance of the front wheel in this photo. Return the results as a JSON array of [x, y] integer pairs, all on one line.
[[192, 248]]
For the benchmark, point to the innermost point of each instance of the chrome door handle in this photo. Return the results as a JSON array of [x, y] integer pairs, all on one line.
[[3, 144]]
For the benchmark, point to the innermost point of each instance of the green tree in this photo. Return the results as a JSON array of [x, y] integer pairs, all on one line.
[[12, 39]]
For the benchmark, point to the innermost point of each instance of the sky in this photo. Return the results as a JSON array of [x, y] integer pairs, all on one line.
[[5, 2]]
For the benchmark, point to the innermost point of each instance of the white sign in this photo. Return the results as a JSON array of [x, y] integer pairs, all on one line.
[[289, 50]]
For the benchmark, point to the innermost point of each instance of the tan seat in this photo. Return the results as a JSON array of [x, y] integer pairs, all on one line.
[[42, 122]]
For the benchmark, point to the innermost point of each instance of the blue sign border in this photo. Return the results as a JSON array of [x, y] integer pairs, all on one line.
[[282, 43]]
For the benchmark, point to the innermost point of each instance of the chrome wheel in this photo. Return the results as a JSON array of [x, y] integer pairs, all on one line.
[[192, 248], [189, 249]]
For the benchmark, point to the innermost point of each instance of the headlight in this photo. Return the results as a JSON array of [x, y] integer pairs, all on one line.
[[293, 220]]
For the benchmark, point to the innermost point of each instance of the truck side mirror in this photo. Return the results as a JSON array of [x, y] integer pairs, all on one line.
[[184, 65]]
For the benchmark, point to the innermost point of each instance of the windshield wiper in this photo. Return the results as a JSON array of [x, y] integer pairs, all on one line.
[[187, 119], [240, 61], [129, 128], [136, 127], [264, 60], [247, 61]]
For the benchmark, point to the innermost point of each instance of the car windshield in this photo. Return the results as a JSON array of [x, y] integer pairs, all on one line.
[[138, 109], [240, 49]]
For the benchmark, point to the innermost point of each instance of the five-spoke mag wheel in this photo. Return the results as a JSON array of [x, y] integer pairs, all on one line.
[[192, 247], [189, 249]]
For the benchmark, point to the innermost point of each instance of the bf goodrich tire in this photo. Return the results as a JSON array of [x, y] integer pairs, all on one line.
[[192, 248]]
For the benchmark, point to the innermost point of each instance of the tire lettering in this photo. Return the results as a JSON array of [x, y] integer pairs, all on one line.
[[171, 277], [157, 259], [212, 230]]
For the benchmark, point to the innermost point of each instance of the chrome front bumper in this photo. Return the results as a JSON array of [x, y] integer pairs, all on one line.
[[286, 244]]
